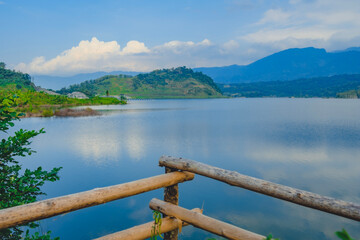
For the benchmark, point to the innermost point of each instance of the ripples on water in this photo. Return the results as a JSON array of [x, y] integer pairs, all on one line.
[[312, 144]]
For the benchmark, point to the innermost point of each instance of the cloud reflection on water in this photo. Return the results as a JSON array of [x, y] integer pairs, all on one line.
[[95, 146], [133, 139], [309, 167], [270, 152]]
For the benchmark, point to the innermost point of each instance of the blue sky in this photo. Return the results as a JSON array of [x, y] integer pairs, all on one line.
[[69, 37]]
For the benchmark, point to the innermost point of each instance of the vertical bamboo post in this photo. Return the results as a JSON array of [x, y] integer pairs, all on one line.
[[171, 195]]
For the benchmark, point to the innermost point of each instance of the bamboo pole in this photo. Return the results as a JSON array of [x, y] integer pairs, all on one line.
[[326, 204], [144, 231], [171, 195], [204, 222], [14, 216]]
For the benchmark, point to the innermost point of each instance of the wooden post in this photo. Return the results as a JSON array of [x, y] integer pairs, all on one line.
[[143, 231], [326, 204], [171, 195], [204, 222], [14, 216]]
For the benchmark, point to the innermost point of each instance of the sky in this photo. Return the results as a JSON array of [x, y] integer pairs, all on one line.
[[68, 37]]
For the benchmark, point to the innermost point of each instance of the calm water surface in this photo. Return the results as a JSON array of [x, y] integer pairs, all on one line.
[[311, 144]]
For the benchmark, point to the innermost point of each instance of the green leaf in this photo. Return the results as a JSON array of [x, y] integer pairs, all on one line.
[[270, 237], [343, 235]]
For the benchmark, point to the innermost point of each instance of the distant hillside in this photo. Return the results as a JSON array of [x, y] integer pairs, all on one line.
[[56, 82], [180, 82], [349, 49], [355, 93], [345, 86], [12, 80], [289, 64]]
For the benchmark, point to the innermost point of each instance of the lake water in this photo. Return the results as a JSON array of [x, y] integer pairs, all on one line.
[[311, 144]]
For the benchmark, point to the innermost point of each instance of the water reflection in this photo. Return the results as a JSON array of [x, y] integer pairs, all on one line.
[[102, 142], [309, 167], [270, 152], [133, 139], [311, 224], [96, 143]]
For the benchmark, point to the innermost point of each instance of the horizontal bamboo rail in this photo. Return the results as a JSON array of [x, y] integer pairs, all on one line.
[[326, 204], [204, 222], [14, 216], [143, 231]]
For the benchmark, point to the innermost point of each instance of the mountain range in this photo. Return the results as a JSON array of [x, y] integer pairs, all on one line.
[[288, 65]]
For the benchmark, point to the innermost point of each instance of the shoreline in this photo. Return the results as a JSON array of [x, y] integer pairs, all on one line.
[[63, 112]]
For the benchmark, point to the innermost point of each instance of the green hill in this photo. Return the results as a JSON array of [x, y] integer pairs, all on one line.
[[342, 86], [12, 80], [180, 82]]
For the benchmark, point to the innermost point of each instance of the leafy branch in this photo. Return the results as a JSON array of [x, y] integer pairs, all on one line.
[[156, 228], [19, 186], [343, 235]]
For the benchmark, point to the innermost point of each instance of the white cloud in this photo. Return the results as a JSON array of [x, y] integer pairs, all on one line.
[[93, 55], [320, 23], [230, 46], [96, 55], [179, 47], [276, 35], [275, 16], [135, 47], [85, 56], [175, 46], [205, 42]]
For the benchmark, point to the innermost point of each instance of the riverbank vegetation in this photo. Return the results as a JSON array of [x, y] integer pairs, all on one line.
[[40, 104]]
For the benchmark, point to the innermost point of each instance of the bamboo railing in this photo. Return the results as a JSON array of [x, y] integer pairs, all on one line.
[[204, 222], [326, 204], [14, 216], [145, 230], [177, 170]]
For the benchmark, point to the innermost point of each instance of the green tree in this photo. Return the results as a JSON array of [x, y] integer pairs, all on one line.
[[18, 186]]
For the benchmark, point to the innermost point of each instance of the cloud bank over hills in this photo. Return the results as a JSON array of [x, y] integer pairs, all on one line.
[[96, 55]]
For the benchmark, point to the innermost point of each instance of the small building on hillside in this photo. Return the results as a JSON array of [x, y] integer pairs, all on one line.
[[51, 92], [78, 95], [40, 89]]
